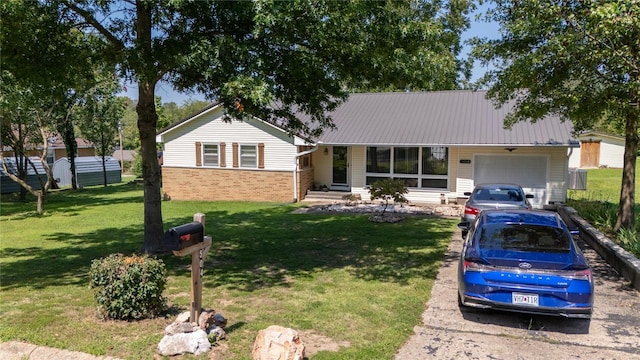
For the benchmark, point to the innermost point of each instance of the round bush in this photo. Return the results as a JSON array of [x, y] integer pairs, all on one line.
[[128, 287]]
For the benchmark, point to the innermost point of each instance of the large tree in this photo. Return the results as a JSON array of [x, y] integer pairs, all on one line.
[[301, 55], [46, 63], [573, 58]]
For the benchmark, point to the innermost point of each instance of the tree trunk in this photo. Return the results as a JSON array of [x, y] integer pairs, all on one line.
[[147, 124], [147, 120], [102, 156], [69, 139], [626, 211], [40, 204]]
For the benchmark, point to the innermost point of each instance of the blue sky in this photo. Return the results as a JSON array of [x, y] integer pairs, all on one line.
[[480, 29]]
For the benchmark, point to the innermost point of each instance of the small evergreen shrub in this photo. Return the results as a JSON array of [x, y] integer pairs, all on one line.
[[128, 287]]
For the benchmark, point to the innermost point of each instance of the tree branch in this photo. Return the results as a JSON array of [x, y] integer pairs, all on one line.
[[88, 17]]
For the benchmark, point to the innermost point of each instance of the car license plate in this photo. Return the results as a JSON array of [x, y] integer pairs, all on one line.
[[524, 299]]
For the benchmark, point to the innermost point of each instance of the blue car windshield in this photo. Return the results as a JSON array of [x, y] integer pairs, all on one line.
[[523, 238]]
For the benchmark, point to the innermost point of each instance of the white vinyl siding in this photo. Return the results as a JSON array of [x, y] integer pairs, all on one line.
[[612, 153], [209, 128]]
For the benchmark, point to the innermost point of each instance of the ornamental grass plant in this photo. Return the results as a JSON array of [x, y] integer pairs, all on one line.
[[353, 287]]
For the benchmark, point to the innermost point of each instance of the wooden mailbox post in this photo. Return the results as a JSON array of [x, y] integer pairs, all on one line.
[[198, 254]]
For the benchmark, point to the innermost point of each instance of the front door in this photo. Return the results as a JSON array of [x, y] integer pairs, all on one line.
[[340, 180]]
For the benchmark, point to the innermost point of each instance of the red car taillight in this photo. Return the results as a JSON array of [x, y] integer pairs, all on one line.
[[473, 266], [468, 210], [580, 275]]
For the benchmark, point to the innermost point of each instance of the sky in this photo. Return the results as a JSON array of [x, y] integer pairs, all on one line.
[[480, 29]]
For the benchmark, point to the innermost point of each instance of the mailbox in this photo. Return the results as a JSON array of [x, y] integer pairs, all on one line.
[[183, 236]]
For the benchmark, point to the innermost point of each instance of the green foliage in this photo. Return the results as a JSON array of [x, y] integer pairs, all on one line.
[[128, 287], [630, 241], [306, 56], [389, 189], [597, 205], [574, 59]]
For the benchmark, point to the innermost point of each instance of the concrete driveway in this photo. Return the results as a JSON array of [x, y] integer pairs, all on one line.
[[448, 333]]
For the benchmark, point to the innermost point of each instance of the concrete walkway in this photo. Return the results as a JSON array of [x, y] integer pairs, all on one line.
[[16, 350]]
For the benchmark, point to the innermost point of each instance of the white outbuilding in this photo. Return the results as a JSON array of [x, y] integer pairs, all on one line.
[[89, 171], [598, 149]]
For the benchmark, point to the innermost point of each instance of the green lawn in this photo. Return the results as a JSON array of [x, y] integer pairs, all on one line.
[[339, 278], [598, 204]]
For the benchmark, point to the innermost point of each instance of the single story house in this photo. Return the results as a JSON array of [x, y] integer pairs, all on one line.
[[598, 149], [440, 143]]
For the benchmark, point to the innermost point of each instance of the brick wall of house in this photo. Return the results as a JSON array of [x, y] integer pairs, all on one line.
[[227, 184], [305, 182]]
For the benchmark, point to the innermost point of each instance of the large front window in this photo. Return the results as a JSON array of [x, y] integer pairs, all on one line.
[[418, 167]]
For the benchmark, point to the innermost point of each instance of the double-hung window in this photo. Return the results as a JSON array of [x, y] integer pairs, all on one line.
[[248, 156], [211, 154]]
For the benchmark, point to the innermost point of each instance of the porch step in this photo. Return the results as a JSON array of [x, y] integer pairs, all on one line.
[[325, 195]]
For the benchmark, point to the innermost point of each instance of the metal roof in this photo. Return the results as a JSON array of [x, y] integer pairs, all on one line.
[[438, 118]]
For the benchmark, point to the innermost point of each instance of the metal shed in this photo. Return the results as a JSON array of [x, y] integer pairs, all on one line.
[[9, 186], [88, 171]]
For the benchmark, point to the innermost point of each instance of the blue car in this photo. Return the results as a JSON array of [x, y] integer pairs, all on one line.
[[523, 261]]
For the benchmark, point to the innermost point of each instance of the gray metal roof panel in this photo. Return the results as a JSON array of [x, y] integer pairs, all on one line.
[[437, 118]]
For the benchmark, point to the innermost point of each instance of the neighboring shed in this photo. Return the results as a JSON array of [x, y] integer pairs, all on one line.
[[598, 149], [33, 176], [89, 171]]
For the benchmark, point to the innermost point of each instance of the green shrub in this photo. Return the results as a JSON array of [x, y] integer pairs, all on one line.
[[128, 287], [389, 189]]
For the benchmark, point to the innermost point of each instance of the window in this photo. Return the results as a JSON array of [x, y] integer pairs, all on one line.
[[405, 160], [248, 156], [379, 159], [211, 155], [435, 160], [418, 167]]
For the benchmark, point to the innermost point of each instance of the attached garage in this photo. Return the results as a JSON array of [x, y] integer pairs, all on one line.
[[530, 172]]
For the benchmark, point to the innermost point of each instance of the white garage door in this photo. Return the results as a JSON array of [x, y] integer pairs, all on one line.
[[530, 172]]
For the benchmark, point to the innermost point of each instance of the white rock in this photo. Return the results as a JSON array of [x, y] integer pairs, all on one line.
[[193, 342], [277, 342]]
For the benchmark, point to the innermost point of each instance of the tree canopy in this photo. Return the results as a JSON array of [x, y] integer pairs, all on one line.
[[576, 59], [270, 59]]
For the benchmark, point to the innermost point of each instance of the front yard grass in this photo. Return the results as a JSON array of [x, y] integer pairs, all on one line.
[[352, 287]]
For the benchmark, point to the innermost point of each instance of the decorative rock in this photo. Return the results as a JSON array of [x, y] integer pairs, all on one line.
[[193, 342], [178, 328], [218, 332], [183, 317], [220, 321], [209, 318], [277, 342]]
